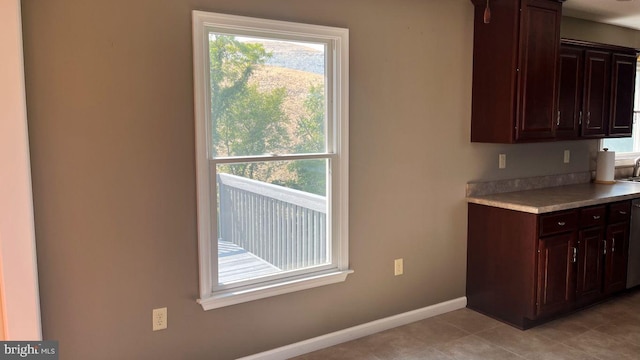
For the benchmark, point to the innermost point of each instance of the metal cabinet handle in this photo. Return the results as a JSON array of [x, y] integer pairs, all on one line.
[[623, 212], [613, 245], [580, 118], [558, 121], [604, 252], [596, 217], [575, 255], [561, 223], [588, 118]]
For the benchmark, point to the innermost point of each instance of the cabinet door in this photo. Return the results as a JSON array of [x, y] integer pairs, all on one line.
[[617, 247], [590, 259], [556, 276], [596, 93], [622, 90], [569, 115], [537, 75]]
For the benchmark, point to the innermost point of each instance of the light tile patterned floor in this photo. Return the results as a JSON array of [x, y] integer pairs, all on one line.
[[607, 331]]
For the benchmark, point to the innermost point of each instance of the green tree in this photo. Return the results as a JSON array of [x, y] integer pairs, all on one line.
[[254, 125], [232, 63], [245, 120], [310, 132]]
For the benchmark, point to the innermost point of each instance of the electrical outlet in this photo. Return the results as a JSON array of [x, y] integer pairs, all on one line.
[[567, 156], [398, 267], [502, 161], [159, 319]]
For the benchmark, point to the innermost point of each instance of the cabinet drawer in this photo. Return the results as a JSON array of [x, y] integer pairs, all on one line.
[[558, 222], [593, 216], [619, 212]]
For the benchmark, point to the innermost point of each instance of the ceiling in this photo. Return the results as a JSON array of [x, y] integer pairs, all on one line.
[[616, 12]]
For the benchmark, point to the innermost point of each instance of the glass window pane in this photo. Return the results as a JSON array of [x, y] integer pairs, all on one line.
[[267, 96], [272, 218], [619, 145]]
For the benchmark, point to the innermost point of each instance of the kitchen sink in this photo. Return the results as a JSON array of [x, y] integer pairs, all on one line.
[[631, 179]]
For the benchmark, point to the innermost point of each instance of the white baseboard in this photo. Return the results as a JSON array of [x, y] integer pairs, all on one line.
[[352, 333]]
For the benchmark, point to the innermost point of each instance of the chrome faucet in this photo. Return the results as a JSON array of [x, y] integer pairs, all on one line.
[[636, 168]]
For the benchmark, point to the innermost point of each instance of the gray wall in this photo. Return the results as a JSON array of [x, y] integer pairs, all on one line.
[[110, 105], [573, 28]]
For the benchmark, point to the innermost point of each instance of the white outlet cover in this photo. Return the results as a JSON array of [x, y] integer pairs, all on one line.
[[159, 319]]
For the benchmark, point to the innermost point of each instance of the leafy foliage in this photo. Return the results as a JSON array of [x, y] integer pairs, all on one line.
[[311, 135], [232, 63], [310, 130], [250, 121]]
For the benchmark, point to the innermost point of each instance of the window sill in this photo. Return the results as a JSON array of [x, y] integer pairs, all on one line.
[[626, 159], [224, 298]]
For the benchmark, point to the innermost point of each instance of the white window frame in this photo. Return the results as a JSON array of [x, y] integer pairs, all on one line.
[[627, 158], [211, 295]]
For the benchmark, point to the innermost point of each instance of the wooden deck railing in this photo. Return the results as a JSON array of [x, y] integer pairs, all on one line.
[[283, 226]]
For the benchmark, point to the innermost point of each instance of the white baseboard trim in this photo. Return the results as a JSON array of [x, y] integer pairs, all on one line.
[[352, 333]]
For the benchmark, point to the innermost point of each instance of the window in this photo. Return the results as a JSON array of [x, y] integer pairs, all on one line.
[[627, 149], [271, 106]]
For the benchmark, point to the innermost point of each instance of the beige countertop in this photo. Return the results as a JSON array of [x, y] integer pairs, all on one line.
[[557, 198]]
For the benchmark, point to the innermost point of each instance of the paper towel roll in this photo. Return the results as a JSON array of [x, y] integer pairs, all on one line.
[[605, 166]]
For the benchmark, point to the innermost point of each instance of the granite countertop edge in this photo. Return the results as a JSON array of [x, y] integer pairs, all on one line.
[[546, 200]]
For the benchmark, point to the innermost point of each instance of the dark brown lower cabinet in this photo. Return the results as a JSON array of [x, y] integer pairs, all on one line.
[[616, 258], [616, 247], [555, 274], [590, 265], [525, 269], [590, 254]]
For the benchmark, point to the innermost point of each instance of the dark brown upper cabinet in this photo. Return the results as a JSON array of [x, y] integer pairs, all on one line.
[[623, 74], [596, 93], [515, 64], [570, 93], [595, 90]]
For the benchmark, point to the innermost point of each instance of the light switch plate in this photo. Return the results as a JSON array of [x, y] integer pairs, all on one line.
[[398, 267]]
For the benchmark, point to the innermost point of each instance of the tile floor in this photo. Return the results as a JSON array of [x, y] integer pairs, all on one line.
[[610, 330]]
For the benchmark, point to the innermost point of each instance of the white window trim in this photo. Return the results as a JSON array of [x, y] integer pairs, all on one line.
[[625, 159], [210, 297]]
